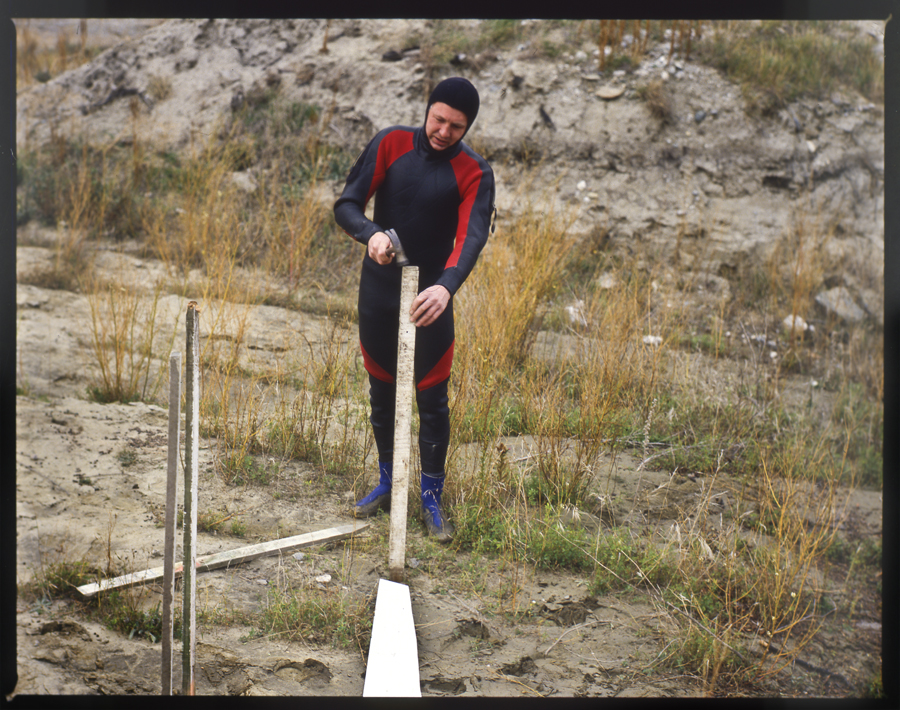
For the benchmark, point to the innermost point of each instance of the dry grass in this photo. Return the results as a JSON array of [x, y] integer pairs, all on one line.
[[37, 63], [658, 100]]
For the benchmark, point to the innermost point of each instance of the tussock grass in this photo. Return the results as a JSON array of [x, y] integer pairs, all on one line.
[[658, 100]]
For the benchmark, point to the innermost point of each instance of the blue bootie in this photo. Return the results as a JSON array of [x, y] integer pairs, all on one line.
[[436, 522], [380, 497]]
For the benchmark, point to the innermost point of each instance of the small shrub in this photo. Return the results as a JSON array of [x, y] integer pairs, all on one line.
[[208, 521], [159, 87], [127, 457], [658, 100], [701, 654], [621, 563]]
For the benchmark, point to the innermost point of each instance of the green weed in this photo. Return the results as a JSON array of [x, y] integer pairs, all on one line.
[[119, 612], [127, 457], [60, 580], [318, 616], [550, 546]]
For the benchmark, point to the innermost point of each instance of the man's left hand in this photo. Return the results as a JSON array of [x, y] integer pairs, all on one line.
[[428, 305]]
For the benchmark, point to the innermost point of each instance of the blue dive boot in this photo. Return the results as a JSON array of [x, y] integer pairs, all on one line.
[[436, 522], [380, 498]]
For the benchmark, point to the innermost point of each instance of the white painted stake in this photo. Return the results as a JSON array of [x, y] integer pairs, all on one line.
[[406, 346], [192, 448], [168, 607], [392, 669]]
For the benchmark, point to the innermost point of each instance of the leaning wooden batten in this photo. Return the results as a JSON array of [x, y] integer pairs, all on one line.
[[229, 558]]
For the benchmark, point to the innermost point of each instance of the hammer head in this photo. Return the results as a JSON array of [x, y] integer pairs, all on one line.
[[397, 248]]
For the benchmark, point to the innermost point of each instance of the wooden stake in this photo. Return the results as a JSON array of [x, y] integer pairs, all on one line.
[[168, 606], [406, 347], [229, 558], [191, 451]]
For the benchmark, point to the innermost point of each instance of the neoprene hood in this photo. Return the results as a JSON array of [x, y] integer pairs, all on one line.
[[458, 93]]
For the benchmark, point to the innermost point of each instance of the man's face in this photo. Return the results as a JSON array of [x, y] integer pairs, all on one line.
[[444, 125]]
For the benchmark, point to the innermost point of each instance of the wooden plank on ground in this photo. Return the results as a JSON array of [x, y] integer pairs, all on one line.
[[229, 557], [392, 669]]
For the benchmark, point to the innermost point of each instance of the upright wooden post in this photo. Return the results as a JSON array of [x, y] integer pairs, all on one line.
[[406, 346], [191, 450], [168, 609]]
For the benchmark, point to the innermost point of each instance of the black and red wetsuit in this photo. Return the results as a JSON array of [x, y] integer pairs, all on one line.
[[440, 204]]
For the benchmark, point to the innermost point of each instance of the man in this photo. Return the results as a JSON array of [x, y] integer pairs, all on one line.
[[438, 195]]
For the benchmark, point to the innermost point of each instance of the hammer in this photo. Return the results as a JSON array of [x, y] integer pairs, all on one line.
[[397, 248], [406, 346]]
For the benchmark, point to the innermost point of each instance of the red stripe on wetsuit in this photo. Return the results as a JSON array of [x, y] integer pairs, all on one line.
[[393, 146], [373, 368], [468, 177], [438, 374]]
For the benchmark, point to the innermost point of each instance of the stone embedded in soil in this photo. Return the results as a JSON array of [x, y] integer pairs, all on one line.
[[839, 301]]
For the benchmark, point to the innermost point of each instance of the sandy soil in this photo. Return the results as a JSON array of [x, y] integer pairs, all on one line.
[[79, 497]]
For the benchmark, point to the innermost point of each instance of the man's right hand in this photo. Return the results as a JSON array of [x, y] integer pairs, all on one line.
[[380, 249]]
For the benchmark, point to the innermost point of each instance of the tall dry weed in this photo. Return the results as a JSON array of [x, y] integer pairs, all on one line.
[[125, 324]]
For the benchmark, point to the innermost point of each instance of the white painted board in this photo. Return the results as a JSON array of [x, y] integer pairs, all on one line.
[[392, 670]]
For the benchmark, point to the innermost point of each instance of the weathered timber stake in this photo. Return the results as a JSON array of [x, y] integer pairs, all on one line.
[[406, 346], [191, 451], [228, 558], [168, 606]]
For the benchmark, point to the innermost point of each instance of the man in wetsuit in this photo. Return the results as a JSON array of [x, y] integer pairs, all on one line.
[[438, 195]]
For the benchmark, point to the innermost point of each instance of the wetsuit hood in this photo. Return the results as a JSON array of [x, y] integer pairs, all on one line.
[[458, 93]]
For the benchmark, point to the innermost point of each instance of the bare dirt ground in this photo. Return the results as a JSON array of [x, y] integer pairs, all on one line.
[[516, 631]]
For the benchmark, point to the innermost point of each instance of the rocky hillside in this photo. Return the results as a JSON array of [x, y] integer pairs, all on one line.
[[699, 169]]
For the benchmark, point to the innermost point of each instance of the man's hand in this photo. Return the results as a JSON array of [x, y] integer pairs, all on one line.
[[428, 305], [380, 249]]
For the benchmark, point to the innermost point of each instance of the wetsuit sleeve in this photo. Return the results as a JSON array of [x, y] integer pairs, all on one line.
[[476, 182], [365, 178], [350, 208]]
